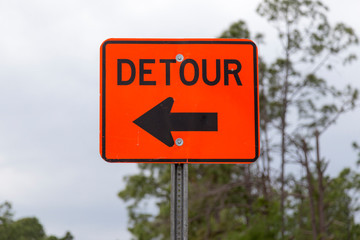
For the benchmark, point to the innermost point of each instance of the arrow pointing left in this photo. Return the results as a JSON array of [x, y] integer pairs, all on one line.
[[159, 121]]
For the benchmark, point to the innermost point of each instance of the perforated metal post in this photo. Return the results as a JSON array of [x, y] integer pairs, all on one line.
[[179, 202]]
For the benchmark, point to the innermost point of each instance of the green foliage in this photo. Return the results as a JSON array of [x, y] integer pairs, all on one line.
[[220, 209], [229, 202], [357, 149], [153, 182], [342, 206], [237, 30], [5, 213], [28, 228], [67, 236]]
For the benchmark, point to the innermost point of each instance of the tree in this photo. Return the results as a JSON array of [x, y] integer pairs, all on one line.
[[253, 201], [307, 38], [28, 228], [341, 207]]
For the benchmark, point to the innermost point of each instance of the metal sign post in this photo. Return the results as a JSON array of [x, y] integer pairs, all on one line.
[[157, 106], [179, 202]]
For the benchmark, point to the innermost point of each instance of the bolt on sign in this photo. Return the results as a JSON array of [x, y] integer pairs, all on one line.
[[179, 101]]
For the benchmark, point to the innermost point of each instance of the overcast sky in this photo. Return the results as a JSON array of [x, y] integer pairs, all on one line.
[[49, 100]]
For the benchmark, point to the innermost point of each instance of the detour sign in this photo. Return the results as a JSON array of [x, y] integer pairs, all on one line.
[[179, 101]]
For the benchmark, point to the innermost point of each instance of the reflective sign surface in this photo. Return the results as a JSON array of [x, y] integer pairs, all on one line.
[[179, 100]]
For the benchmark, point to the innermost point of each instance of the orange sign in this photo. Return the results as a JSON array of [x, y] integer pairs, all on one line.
[[179, 101]]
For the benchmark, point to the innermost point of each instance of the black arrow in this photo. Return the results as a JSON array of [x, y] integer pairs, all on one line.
[[159, 121]]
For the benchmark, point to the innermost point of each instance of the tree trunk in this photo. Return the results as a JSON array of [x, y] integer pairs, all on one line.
[[309, 179], [283, 127], [282, 180], [322, 225]]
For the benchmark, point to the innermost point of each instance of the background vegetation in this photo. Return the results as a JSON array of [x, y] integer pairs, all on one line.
[[28, 228], [267, 200]]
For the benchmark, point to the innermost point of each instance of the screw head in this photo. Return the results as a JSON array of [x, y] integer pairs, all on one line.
[[179, 57], [179, 142]]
